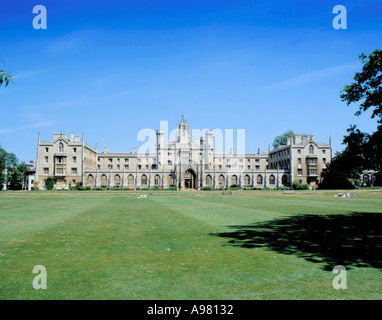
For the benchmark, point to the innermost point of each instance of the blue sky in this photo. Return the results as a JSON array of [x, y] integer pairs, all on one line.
[[111, 68]]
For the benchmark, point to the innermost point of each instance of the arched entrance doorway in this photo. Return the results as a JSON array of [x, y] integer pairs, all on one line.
[[189, 179]]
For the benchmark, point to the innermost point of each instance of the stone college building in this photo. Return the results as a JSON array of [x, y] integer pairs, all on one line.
[[185, 163]]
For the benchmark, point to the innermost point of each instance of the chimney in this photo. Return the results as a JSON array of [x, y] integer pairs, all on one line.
[[77, 138], [133, 150], [105, 150], [297, 138], [71, 137], [258, 150], [232, 151]]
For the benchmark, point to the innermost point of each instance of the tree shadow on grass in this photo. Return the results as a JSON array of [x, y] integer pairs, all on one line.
[[351, 240]]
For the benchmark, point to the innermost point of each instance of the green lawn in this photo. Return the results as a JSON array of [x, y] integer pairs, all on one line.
[[174, 245]]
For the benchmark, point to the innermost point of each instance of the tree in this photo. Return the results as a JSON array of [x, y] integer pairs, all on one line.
[[363, 151], [7, 161], [282, 140], [5, 76], [11, 172], [367, 87], [340, 173], [16, 176]]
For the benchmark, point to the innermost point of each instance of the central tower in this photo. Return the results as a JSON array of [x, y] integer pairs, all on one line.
[[183, 131]]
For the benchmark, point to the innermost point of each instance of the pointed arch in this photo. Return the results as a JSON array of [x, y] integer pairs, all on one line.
[[130, 180], [117, 180], [104, 180], [144, 180]]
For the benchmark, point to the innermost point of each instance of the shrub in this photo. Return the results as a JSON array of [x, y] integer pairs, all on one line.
[[208, 188], [49, 183], [297, 185], [35, 186], [170, 189]]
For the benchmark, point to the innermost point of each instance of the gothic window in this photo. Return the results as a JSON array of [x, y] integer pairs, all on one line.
[[157, 180], [311, 149], [104, 180], [170, 180], [60, 147], [272, 179], [144, 180], [130, 180], [259, 179], [221, 180], [234, 179], [117, 180], [246, 180], [284, 180], [90, 179], [208, 180]]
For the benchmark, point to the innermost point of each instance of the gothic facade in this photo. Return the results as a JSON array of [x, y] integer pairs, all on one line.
[[184, 163]]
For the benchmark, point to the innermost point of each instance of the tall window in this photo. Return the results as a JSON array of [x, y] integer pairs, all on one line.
[[90, 179], [311, 149], [221, 180], [259, 179], [60, 147], [117, 180], [272, 179], [144, 180], [170, 180], [157, 180], [209, 180], [284, 180], [246, 180], [130, 180], [234, 179], [104, 180]]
